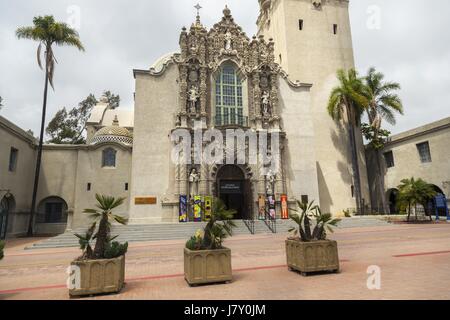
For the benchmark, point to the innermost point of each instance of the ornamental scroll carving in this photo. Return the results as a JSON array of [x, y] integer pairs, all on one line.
[[202, 54]]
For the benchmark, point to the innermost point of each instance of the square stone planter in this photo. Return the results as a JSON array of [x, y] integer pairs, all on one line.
[[308, 257], [207, 266], [98, 276]]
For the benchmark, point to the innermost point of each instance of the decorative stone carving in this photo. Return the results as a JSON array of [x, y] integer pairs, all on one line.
[[265, 102], [193, 98], [317, 4], [194, 179]]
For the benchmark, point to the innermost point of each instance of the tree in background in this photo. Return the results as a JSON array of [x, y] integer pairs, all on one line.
[[414, 192], [68, 127], [382, 105], [1, 103], [347, 100], [47, 32]]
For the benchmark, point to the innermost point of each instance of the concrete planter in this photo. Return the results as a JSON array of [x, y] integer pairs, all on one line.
[[99, 276], [207, 266], [317, 256]]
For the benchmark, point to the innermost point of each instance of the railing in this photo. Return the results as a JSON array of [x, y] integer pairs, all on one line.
[[250, 224], [271, 223], [231, 120]]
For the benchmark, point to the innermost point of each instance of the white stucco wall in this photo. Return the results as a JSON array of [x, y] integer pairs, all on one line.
[[156, 104]]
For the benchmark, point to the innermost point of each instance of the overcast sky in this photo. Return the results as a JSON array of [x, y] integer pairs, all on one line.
[[409, 46]]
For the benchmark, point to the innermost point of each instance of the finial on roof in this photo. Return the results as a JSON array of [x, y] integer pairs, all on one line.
[[198, 23], [116, 121], [104, 99], [227, 11]]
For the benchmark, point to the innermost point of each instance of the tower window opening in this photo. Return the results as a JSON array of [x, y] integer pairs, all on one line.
[[300, 24], [335, 28]]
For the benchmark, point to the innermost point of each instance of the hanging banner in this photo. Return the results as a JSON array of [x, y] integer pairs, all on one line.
[[272, 208], [197, 209], [183, 209], [262, 208], [284, 207], [208, 208]]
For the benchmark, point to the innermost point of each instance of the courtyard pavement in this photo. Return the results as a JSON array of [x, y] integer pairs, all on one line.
[[414, 261]]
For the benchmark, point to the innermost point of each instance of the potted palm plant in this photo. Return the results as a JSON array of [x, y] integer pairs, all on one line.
[[309, 250], [205, 259], [100, 270]]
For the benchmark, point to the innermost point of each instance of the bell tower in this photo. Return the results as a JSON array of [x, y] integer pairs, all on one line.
[[312, 40]]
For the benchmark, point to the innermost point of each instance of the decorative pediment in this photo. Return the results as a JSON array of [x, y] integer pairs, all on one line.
[[203, 53]]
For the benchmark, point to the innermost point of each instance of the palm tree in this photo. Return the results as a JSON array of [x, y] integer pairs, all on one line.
[[104, 216], [383, 104], [414, 192], [47, 32], [348, 99], [219, 226]]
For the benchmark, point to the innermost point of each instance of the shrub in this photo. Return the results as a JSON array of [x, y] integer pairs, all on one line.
[[308, 214], [115, 249], [219, 227], [102, 237]]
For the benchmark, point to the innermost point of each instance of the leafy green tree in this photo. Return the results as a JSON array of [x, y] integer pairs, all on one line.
[[347, 102], [383, 105], [68, 127], [413, 192], [104, 216], [47, 32]]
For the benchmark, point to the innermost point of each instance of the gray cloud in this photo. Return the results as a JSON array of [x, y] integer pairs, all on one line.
[[122, 35]]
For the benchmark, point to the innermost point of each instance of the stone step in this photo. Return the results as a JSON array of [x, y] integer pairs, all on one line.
[[157, 232]]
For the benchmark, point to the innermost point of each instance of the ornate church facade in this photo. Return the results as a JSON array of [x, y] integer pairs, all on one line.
[[225, 80], [273, 86]]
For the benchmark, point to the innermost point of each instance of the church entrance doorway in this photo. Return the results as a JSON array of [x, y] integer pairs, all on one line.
[[235, 190]]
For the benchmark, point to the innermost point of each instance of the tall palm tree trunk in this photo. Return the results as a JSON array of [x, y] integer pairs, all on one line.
[[355, 165], [102, 237], [381, 183], [39, 157]]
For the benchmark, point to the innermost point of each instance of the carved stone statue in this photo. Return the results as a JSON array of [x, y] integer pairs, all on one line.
[[271, 179], [194, 179], [265, 103], [228, 39], [193, 98]]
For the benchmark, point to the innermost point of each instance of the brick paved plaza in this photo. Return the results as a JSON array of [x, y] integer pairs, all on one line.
[[414, 262]]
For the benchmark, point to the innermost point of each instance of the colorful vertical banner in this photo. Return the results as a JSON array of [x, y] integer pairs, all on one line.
[[197, 209], [208, 208], [272, 208], [183, 209], [284, 207], [262, 208]]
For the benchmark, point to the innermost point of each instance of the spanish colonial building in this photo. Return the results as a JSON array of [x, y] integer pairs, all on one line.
[[274, 85]]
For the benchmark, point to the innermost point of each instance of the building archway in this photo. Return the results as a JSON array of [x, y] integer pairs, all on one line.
[[431, 206], [7, 205], [392, 196], [233, 187], [52, 210]]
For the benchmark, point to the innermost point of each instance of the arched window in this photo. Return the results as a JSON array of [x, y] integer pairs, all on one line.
[[229, 97], [109, 158]]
